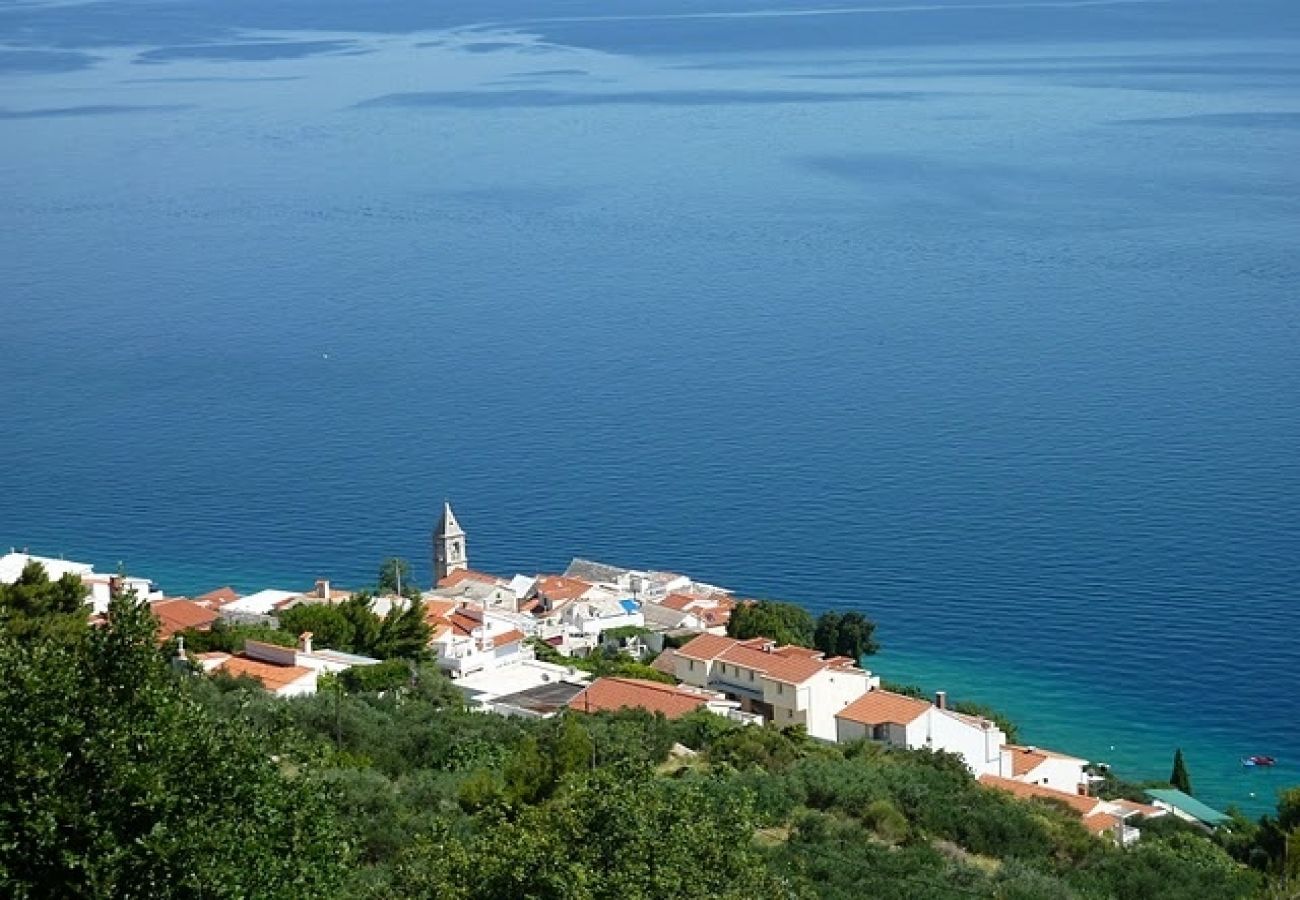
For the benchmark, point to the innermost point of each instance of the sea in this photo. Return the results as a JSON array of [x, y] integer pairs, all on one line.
[[979, 316]]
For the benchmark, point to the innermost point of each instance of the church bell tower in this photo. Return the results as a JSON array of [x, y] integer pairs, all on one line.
[[449, 553]]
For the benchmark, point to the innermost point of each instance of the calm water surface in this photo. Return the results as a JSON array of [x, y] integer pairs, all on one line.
[[979, 316]]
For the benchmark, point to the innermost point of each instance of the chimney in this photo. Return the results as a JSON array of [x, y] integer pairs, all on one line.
[[941, 699], [304, 642], [323, 588]]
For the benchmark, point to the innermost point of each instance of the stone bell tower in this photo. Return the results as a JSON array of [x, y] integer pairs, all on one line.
[[449, 553]]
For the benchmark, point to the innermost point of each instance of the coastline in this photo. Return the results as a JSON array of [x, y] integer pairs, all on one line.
[[1128, 732]]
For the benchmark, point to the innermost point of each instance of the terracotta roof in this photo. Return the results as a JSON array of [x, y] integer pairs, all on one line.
[[218, 598], [666, 662], [513, 636], [272, 677], [1100, 823], [715, 616], [178, 615], [557, 587], [436, 610], [611, 694], [456, 577], [880, 707], [787, 664], [1024, 760], [680, 602], [705, 646], [778, 664], [1083, 806], [462, 624]]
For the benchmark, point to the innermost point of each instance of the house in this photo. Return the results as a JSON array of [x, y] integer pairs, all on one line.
[[1186, 807], [469, 586], [530, 688], [278, 680], [1048, 768], [697, 611], [902, 721], [181, 615], [595, 614], [785, 685], [1100, 817], [100, 586], [222, 596], [283, 671], [467, 638], [260, 605], [673, 701]]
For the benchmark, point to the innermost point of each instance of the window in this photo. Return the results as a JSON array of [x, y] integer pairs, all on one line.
[[692, 665], [751, 674], [780, 688]]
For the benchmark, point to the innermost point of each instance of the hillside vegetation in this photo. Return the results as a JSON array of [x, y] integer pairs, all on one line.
[[128, 777]]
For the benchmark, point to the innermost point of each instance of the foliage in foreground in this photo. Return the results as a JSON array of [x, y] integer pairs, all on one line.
[[125, 778]]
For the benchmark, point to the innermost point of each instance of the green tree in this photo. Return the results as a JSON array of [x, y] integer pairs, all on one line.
[[404, 632], [1179, 777], [385, 676], [35, 606], [329, 625], [119, 784], [395, 577], [785, 623], [849, 634]]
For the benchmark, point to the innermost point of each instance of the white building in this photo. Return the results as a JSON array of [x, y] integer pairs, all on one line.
[[283, 671], [902, 721], [785, 685], [1047, 768], [468, 639], [596, 615], [262, 603], [99, 585]]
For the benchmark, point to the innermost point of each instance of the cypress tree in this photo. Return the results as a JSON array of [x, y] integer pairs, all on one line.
[[1179, 777]]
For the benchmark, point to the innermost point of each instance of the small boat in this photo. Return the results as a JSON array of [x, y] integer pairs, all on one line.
[[1259, 761]]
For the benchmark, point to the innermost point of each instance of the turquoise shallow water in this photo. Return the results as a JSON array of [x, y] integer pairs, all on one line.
[[979, 317]]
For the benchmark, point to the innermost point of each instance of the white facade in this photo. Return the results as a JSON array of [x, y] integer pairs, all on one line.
[[917, 724], [594, 618], [262, 603], [786, 685], [1047, 768], [99, 585], [470, 640]]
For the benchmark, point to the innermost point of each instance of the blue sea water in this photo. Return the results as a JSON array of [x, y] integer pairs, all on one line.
[[978, 316]]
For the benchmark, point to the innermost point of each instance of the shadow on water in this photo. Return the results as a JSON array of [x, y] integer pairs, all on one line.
[[61, 112], [254, 52], [544, 98]]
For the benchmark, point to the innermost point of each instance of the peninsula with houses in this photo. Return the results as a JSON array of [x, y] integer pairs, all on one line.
[[662, 665]]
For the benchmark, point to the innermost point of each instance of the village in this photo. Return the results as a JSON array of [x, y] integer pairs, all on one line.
[[512, 645]]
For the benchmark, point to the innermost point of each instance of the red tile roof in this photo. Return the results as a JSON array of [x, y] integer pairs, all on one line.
[[557, 587], [880, 707], [218, 598], [178, 615], [680, 602], [705, 646], [456, 577], [1024, 760], [1083, 806], [272, 677], [612, 694], [438, 610], [513, 636], [787, 664]]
